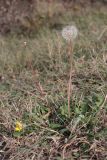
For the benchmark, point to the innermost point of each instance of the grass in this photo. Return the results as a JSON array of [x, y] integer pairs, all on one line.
[[33, 90]]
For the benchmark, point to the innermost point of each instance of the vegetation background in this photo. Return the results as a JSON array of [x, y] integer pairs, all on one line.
[[34, 67]]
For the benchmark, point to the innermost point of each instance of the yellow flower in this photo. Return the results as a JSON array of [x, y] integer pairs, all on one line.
[[19, 126]]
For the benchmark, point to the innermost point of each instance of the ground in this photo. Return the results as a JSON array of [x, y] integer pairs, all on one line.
[[34, 73]]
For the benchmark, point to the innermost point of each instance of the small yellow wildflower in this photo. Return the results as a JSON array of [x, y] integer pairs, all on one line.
[[19, 126]]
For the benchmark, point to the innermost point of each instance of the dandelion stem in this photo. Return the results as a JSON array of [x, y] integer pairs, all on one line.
[[69, 90]]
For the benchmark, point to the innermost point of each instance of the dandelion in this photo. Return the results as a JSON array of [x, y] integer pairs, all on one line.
[[69, 33], [19, 126]]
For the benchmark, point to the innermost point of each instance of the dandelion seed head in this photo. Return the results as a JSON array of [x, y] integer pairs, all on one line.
[[69, 33]]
